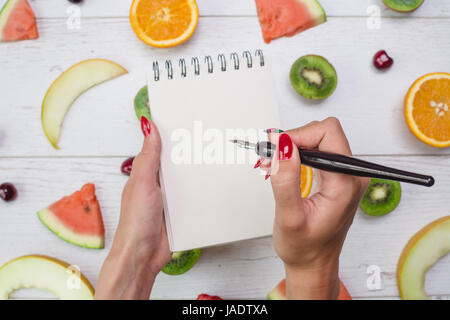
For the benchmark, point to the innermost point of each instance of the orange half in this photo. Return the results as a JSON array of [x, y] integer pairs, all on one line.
[[306, 181], [427, 109], [164, 23]]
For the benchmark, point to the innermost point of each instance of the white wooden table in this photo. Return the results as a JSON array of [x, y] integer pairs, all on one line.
[[101, 130]]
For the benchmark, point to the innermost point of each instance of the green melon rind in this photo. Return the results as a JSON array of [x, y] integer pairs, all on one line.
[[379, 211], [400, 6], [47, 217], [173, 270], [141, 104], [323, 17], [5, 13], [275, 294]]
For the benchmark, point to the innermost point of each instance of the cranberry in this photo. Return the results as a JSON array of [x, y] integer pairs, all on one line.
[[7, 191], [126, 166], [381, 60]]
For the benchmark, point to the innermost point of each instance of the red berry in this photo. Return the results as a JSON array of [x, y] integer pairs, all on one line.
[[381, 60], [126, 166], [7, 191], [205, 296]]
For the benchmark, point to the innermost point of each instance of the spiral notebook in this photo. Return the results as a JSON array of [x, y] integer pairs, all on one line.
[[212, 195]]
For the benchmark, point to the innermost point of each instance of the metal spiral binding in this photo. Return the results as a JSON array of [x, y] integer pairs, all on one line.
[[156, 70], [209, 61], [182, 64], [247, 55], [169, 69], [234, 57], [261, 57], [196, 64], [223, 62]]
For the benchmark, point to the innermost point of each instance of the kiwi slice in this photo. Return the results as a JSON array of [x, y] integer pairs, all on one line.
[[313, 77], [142, 104], [403, 5], [181, 262], [381, 197]]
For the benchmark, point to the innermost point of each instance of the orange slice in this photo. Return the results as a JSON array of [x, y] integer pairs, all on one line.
[[427, 109], [164, 23], [306, 181]]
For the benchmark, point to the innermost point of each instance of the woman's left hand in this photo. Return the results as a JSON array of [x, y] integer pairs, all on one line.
[[140, 249]]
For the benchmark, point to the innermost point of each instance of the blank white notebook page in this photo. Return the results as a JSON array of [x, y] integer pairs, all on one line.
[[212, 194]]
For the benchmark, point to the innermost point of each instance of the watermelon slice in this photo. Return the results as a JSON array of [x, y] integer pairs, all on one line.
[[279, 292], [77, 219], [17, 21], [288, 17]]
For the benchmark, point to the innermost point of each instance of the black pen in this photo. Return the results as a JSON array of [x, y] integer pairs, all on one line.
[[341, 164]]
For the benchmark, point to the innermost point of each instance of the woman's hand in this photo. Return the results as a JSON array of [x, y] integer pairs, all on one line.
[[140, 249], [309, 233]]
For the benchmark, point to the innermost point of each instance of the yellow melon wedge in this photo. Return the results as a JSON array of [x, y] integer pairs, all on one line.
[[45, 273], [421, 252], [68, 87]]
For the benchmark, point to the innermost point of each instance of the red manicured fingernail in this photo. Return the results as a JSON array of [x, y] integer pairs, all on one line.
[[258, 164], [285, 147], [267, 176], [145, 126]]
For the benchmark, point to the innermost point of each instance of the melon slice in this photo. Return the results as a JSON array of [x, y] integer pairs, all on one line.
[[68, 87], [77, 218], [288, 17], [279, 292], [422, 251], [17, 21], [46, 273]]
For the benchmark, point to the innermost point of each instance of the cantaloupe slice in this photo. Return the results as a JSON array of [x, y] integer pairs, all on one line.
[[77, 219], [46, 273], [288, 17], [279, 292], [17, 21]]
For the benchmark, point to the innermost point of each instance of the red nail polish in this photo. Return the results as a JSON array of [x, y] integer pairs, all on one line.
[[285, 147], [267, 176], [258, 164], [145, 126]]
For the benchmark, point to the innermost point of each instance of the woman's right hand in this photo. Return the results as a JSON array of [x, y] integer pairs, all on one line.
[[309, 233]]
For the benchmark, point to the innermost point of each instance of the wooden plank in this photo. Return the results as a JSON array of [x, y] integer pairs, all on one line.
[[248, 269], [102, 121], [333, 8]]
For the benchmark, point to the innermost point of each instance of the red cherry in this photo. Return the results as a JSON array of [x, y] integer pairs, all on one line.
[[7, 191], [205, 296], [381, 60], [126, 166]]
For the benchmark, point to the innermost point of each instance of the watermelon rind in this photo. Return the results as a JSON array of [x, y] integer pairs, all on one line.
[[279, 292], [276, 295], [316, 10], [4, 14], [47, 217]]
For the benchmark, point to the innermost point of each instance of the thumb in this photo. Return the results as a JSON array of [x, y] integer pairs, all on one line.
[[146, 163], [285, 173]]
